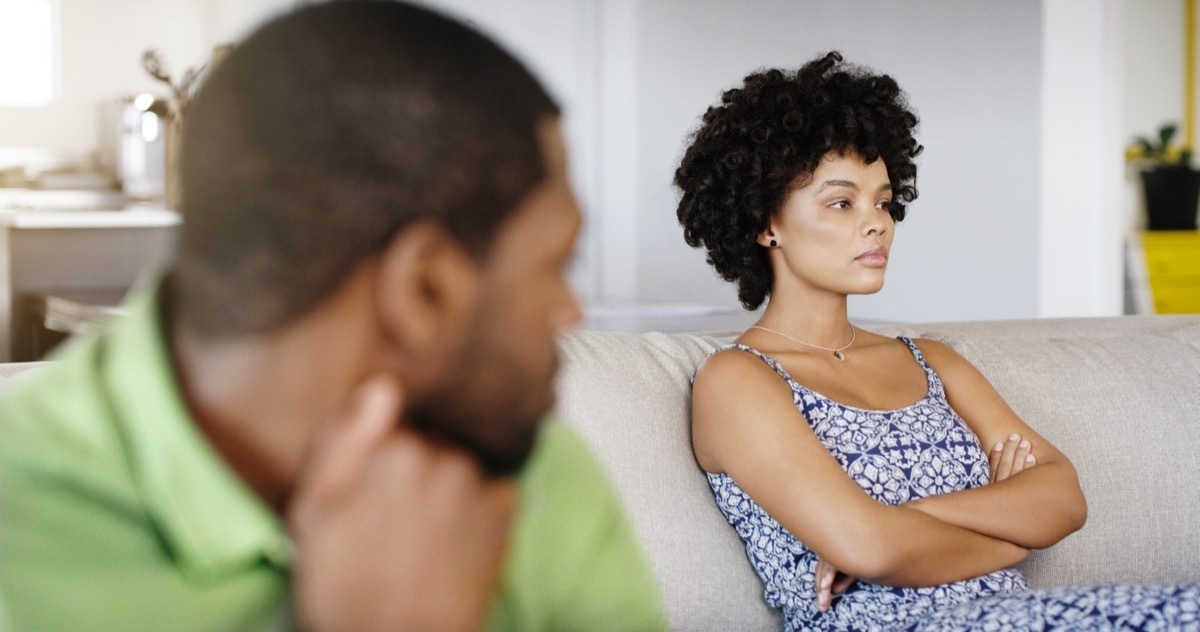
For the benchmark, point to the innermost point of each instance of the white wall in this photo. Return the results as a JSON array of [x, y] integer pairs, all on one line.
[[1152, 64], [659, 64], [1082, 225], [1021, 102], [102, 42], [978, 100], [1152, 76]]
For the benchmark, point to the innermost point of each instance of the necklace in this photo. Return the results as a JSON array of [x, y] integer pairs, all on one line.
[[837, 353]]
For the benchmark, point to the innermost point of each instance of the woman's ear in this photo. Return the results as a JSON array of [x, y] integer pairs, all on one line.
[[767, 238], [428, 286]]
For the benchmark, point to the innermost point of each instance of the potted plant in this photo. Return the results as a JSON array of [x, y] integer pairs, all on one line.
[[181, 93], [1170, 185]]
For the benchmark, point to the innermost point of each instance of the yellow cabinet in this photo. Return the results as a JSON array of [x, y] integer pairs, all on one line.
[[1172, 260]]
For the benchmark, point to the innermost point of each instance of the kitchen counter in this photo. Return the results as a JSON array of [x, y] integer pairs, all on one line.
[[17, 199], [132, 217], [53, 242]]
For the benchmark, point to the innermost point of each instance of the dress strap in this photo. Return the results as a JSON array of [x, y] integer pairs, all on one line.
[[931, 376]]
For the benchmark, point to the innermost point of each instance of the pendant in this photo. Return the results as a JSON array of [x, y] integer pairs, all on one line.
[[839, 355]]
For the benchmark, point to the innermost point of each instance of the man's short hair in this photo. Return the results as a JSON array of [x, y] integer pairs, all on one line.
[[328, 131]]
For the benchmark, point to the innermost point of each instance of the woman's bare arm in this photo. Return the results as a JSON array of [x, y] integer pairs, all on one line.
[[1034, 509], [744, 423]]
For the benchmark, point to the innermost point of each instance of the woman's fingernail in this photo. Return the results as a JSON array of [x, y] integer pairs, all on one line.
[[1024, 444], [999, 447], [1030, 458], [1014, 436]]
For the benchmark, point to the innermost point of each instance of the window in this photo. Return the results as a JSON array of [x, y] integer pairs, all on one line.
[[26, 52]]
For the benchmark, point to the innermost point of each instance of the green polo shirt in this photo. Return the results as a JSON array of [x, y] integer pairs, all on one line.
[[116, 514]]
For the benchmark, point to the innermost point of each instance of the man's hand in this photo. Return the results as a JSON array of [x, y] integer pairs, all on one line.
[[829, 582], [392, 531], [1009, 458]]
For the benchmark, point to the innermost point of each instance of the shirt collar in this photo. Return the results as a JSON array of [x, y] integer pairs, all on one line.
[[209, 518]]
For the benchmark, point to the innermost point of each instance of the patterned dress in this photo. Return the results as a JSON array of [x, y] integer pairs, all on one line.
[[900, 455]]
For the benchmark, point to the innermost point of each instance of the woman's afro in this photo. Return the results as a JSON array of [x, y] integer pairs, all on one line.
[[752, 147]]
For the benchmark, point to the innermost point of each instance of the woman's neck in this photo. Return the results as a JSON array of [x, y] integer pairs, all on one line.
[[820, 320]]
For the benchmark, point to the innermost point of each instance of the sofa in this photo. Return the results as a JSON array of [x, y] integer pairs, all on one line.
[[1120, 396]]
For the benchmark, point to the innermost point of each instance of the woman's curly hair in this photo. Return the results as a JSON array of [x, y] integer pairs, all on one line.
[[751, 148]]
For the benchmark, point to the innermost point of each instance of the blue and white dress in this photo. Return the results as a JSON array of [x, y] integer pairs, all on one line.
[[900, 455]]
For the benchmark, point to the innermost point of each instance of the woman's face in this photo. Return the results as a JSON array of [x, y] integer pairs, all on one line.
[[834, 233]]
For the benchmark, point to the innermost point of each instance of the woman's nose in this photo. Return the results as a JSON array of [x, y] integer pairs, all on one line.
[[876, 223]]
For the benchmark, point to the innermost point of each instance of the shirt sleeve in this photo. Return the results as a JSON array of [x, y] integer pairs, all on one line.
[[574, 560]]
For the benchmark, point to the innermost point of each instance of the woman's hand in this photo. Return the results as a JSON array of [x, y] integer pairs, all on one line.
[[827, 582], [1009, 458]]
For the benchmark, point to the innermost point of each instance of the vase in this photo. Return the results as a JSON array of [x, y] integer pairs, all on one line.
[[1172, 195]]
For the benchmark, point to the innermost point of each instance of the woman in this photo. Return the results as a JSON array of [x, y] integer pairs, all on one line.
[[877, 507]]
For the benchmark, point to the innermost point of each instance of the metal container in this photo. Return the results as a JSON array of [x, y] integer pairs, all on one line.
[[139, 146]]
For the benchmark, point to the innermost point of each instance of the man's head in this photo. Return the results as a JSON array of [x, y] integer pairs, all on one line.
[[373, 139]]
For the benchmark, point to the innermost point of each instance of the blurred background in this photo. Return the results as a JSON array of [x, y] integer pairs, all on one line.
[[1028, 203]]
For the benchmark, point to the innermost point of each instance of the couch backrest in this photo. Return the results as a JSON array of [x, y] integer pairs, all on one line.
[[1120, 396]]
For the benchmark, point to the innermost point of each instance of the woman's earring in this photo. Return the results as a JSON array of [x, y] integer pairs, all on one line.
[[774, 243]]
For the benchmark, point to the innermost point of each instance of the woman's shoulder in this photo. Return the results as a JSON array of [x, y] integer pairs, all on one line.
[[737, 381], [733, 365], [737, 394]]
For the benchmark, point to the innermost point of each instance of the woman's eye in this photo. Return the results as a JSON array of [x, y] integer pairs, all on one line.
[[840, 204], [883, 205]]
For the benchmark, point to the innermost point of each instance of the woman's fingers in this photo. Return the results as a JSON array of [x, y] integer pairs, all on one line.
[[1011, 457], [823, 581]]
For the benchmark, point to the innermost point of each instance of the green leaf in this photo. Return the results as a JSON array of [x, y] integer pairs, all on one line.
[[1165, 133]]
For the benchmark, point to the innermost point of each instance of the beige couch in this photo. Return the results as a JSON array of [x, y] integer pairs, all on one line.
[[1120, 396]]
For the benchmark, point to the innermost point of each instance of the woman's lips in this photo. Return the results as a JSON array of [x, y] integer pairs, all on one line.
[[876, 257]]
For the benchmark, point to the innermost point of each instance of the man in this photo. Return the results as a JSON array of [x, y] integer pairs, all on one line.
[[327, 413]]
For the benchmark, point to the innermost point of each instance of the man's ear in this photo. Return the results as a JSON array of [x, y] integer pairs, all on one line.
[[428, 285]]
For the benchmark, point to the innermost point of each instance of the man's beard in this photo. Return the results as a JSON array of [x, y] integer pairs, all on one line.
[[472, 432], [487, 405]]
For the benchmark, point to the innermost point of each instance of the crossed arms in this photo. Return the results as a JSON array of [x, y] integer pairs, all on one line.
[[745, 424]]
